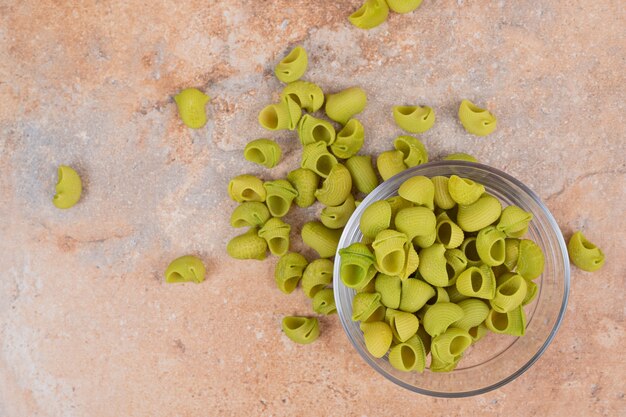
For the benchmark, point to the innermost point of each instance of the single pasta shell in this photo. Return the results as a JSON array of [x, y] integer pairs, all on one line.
[[264, 152], [478, 282], [349, 140], [250, 214], [341, 106], [475, 120], [415, 294], [363, 174], [451, 344], [432, 265], [510, 293], [371, 14], [530, 261], [413, 150], [320, 238], [338, 216], [293, 66], [475, 312], [247, 246], [414, 119], [303, 330], [419, 190], [512, 323], [389, 288], [403, 325], [336, 187], [440, 316], [403, 6], [480, 214], [305, 182], [375, 218], [584, 254], [464, 191], [317, 158], [378, 337], [390, 163], [442, 197], [415, 221]]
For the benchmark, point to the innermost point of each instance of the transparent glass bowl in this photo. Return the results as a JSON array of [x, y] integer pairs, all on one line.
[[496, 359]]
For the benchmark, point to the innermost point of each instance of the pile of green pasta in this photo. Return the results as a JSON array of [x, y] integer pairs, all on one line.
[[440, 264]]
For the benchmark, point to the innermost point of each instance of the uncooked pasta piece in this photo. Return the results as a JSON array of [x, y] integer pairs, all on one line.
[[375, 218], [510, 292], [403, 6], [468, 247], [418, 190], [371, 14], [425, 241], [357, 265], [68, 189], [415, 221], [480, 214], [432, 265], [451, 344], [477, 282], [306, 95], [341, 106], [363, 175], [317, 275], [246, 188], [247, 246], [403, 325], [398, 203], [190, 103], [464, 191], [320, 238], [439, 317], [305, 182], [377, 337], [442, 197], [408, 356], [389, 251], [337, 217], [276, 234], [317, 158], [303, 330], [264, 152], [311, 130], [279, 195], [513, 322], [414, 119], [390, 288], [514, 221], [511, 253], [413, 150], [530, 260], [390, 163], [349, 140], [475, 312], [441, 296], [280, 116], [185, 269], [531, 292], [293, 66], [289, 270], [366, 307], [336, 187], [584, 254], [478, 332], [460, 156], [250, 214], [490, 246], [477, 121], [455, 264], [415, 294], [324, 302], [449, 234]]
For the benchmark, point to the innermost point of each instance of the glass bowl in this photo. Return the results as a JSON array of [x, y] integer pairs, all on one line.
[[496, 359]]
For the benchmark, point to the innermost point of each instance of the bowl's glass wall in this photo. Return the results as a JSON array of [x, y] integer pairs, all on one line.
[[496, 359]]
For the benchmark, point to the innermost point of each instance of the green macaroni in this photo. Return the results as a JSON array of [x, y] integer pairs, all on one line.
[[477, 121], [450, 345], [390, 288], [442, 197], [276, 234], [366, 307], [247, 246], [317, 275], [512, 323], [190, 103], [316, 157], [415, 221], [456, 262], [68, 189], [293, 66], [336, 187], [530, 260], [305, 182], [306, 95], [250, 214], [311, 130], [584, 254], [464, 191], [279, 196], [320, 238], [418, 190], [337, 217], [403, 6], [510, 292], [408, 356], [468, 247], [514, 221], [363, 175], [389, 251], [412, 149], [478, 282], [185, 269], [490, 246], [349, 140], [264, 152], [403, 325], [448, 233], [475, 312], [324, 302], [341, 106], [302, 330], [357, 265], [371, 14], [246, 188], [390, 163], [414, 119], [441, 316], [289, 271], [480, 214], [432, 265], [375, 218], [281, 116]]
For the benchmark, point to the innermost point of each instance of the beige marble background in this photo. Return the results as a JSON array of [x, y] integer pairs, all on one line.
[[87, 325]]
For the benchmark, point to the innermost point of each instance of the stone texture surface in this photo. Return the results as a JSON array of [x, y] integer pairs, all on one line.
[[87, 325]]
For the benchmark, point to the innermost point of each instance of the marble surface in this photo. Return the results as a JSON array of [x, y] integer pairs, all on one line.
[[87, 325]]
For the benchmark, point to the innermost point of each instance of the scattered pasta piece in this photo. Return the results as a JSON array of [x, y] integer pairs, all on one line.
[[477, 121], [414, 119], [293, 66], [342, 106], [403, 6], [264, 152], [302, 330], [68, 189], [185, 269], [371, 14], [191, 102], [584, 254]]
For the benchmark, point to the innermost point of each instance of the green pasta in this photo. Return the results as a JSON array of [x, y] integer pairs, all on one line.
[[363, 175], [303, 330], [377, 337], [342, 106], [442, 197], [439, 365], [276, 234], [403, 325], [432, 265], [190, 103], [478, 332], [460, 156], [68, 189], [390, 288], [468, 247], [317, 275], [456, 262], [441, 296], [441, 316], [415, 294], [475, 312], [477, 121], [531, 292], [584, 254], [450, 345], [511, 253], [418, 190], [293, 66], [480, 214], [464, 191], [280, 116], [390, 163], [375, 218], [371, 14], [185, 269], [337, 217], [389, 251], [317, 158], [408, 356], [412, 149], [512, 323], [320, 238], [324, 302], [336, 187], [490, 246], [311, 130], [425, 241], [514, 221], [246, 188], [264, 152], [247, 246], [414, 119], [415, 221], [349, 140], [366, 307], [307, 95], [357, 265], [398, 203], [403, 6], [279, 196], [530, 261], [305, 182], [477, 282], [510, 292], [250, 214], [448, 233], [289, 271]]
